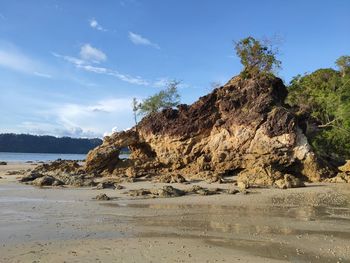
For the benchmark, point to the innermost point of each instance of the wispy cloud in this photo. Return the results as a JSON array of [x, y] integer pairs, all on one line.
[[92, 54], [13, 59], [161, 82], [43, 75], [140, 40], [95, 25]]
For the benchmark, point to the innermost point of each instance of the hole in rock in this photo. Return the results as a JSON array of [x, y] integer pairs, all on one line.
[[124, 153]]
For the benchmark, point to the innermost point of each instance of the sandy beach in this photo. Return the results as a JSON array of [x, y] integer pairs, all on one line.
[[310, 224]]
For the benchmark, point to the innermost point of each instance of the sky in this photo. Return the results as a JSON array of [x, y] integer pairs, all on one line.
[[71, 68]]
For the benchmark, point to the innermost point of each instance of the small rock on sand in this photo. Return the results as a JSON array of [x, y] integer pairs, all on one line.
[[102, 197], [3, 163]]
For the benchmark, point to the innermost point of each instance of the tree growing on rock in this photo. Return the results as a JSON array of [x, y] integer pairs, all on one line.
[[167, 98], [343, 64], [135, 107], [256, 57], [324, 95]]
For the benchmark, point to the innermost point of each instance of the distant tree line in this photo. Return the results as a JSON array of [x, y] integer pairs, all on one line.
[[26, 143]]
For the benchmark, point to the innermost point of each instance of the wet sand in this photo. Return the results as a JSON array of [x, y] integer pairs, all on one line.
[[310, 224]]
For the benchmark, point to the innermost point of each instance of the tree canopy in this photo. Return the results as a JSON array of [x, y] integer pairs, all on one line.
[[325, 96], [167, 98], [256, 57]]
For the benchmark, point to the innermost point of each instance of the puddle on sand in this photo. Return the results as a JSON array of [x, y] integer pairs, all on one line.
[[270, 230], [303, 212]]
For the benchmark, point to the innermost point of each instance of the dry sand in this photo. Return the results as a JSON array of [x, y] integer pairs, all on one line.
[[310, 224]]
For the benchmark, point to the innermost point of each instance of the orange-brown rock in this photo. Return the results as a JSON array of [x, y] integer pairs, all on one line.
[[243, 128]]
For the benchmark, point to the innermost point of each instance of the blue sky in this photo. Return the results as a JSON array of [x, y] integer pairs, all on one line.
[[71, 68]]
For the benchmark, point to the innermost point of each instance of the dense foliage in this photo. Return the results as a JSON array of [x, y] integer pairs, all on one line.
[[256, 57], [166, 98], [324, 95], [45, 144]]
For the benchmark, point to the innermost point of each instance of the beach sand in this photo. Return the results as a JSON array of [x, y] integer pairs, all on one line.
[[310, 224]]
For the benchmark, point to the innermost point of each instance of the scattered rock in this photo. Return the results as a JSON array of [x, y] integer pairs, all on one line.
[[29, 177], [119, 187], [102, 197], [232, 191], [242, 185], [139, 192], [104, 185], [340, 178], [59, 172], [346, 167], [46, 181], [196, 189], [19, 172], [289, 181], [168, 191], [214, 179], [3, 163], [170, 178], [165, 191]]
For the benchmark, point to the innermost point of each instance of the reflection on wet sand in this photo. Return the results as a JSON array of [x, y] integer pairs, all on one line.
[[280, 229]]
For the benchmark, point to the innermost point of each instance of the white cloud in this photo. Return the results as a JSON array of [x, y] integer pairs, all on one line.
[[140, 40], [11, 58], [86, 66], [96, 118], [92, 119], [41, 128], [90, 53], [43, 75], [95, 25], [161, 82]]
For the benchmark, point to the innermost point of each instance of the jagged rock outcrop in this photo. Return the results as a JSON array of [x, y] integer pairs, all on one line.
[[60, 172], [242, 128], [344, 174]]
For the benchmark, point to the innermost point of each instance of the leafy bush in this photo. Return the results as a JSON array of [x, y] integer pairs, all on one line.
[[166, 98], [256, 57], [325, 96]]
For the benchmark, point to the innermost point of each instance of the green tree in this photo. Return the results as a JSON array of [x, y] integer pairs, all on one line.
[[343, 64], [325, 96], [135, 107], [256, 57], [167, 98]]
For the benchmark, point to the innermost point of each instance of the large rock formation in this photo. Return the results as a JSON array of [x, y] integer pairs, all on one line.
[[242, 128]]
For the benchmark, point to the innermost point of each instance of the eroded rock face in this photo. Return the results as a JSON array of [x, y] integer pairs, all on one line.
[[242, 128], [344, 174]]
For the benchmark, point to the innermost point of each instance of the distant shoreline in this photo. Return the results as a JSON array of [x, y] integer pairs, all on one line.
[[15, 157]]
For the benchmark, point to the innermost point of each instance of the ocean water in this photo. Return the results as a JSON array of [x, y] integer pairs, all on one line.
[[35, 157]]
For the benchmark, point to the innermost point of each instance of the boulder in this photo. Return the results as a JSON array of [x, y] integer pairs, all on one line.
[[62, 172], [3, 163], [170, 178], [345, 168], [102, 197], [44, 181]]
